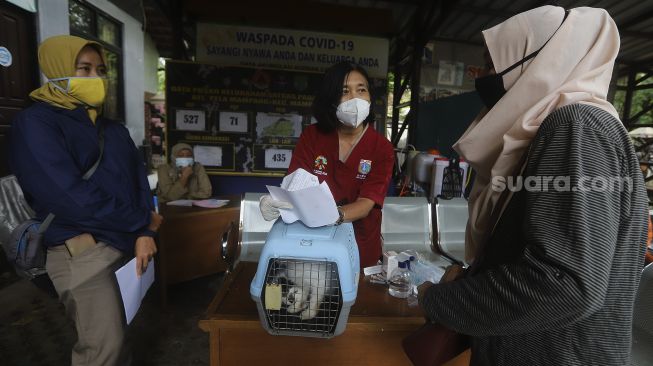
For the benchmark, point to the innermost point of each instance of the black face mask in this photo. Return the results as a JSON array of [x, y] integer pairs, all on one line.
[[490, 88]]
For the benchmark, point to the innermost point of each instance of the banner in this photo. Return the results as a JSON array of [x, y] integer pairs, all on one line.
[[289, 49]]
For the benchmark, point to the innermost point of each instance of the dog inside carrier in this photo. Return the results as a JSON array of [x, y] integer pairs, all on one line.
[[307, 279]]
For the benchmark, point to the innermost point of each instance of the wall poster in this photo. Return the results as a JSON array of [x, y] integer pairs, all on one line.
[[241, 120]]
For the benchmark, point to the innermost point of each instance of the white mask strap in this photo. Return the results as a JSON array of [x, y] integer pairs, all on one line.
[[58, 86]]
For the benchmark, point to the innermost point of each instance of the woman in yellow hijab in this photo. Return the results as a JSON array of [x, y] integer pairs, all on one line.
[[102, 218], [76, 74]]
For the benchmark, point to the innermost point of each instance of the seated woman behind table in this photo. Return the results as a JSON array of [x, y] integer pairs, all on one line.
[[183, 178]]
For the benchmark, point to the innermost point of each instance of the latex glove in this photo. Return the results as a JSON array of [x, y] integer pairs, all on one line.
[[270, 207]]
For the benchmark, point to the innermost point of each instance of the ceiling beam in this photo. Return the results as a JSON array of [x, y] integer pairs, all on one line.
[[455, 40], [636, 34], [294, 14], [483, 11], [402, 2], [627, 67], [636, 19]]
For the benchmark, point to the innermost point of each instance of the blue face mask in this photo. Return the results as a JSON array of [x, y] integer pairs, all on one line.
[[183, 162]]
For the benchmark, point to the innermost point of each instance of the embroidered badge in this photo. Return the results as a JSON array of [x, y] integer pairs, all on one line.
[[365, 166], [320, 162]]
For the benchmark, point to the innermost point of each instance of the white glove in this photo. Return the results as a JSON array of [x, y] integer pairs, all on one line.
[[270, 207]]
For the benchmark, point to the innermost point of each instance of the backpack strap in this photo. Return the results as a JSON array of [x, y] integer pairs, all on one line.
[[48, 219], [92, 170], [46, 223]]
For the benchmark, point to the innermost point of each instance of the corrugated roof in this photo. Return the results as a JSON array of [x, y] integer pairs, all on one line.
[[400, 20], [467, 18]]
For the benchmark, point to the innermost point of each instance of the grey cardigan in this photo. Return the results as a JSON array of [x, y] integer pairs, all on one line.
[[556, 283]]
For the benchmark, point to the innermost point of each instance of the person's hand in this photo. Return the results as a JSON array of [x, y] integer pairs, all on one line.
[[144, 250], [421, 290], [270, 207], [452, 273], [185, 173], [155, 221]]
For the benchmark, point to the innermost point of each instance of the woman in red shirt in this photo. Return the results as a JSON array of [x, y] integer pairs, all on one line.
[[344, 150]]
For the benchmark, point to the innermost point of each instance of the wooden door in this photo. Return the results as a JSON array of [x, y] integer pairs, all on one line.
[[18, 35]]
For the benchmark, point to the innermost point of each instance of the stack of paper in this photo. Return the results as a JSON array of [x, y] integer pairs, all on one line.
[[312, 202], [186, 203], [210, 203]]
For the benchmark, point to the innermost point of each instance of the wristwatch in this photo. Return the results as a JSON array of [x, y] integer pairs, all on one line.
[[341, 216]]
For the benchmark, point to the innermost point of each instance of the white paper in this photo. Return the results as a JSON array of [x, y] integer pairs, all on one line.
[[190, 120], [210, 203], [277, 158], [208, 155], [185, 203], [368, 271], [233, 122], [313, 204], [132, 287], [299, 179]]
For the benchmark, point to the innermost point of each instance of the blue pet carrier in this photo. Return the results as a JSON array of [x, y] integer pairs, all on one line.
[[307, 279]]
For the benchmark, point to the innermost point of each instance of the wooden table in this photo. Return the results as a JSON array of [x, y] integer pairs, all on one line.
[[190, 241], [377, 324]]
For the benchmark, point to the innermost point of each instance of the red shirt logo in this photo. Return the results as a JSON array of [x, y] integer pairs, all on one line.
[[320, 162], [365, 166]]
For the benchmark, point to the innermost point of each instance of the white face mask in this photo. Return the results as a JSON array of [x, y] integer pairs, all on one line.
[[353, 112], [183, 162]]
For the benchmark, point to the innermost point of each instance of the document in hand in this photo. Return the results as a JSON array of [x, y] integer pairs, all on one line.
[[132, 287], [312, 202]]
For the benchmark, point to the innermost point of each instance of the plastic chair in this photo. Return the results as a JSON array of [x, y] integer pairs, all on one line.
[[406, 224], [13, 207], [14, 210], [449, 223], [253, 229]]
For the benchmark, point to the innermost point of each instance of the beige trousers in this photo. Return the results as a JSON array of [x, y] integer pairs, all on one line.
[[87, 287]]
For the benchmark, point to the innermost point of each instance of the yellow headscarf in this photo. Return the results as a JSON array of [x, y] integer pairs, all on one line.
[[57, 56]]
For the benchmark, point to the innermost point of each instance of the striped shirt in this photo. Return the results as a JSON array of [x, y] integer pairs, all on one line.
[[559, 275]]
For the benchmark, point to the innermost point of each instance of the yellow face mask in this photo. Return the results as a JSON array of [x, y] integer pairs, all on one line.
[[88, 90]]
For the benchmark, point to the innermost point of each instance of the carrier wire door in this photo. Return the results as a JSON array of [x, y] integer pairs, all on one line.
[[295, 303]]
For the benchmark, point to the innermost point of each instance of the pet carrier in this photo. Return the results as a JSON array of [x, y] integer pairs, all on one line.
[[307, 279]]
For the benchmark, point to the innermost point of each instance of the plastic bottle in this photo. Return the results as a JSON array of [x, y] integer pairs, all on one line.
[[412, 296], [401, 281]]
